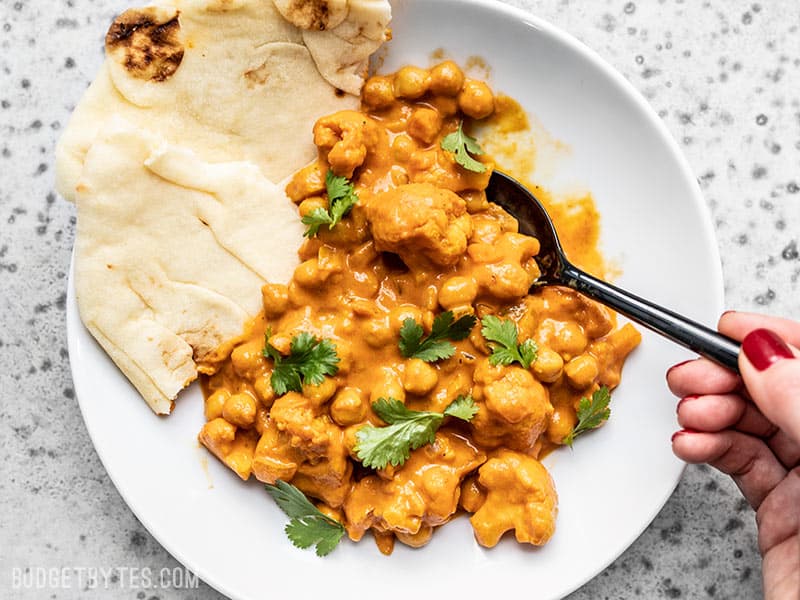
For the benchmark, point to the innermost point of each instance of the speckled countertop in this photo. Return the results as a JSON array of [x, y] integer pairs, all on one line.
[[722, 74]]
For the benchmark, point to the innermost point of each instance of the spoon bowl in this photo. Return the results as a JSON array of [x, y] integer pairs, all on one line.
[[556, 269]]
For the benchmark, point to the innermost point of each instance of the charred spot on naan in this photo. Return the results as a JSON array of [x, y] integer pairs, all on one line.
[[147, 43], [316, 15]]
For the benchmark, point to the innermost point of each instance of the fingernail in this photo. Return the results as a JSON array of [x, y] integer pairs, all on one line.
[[682, 400], [764, 348], [682, 432], [680, 364], [727, 312]]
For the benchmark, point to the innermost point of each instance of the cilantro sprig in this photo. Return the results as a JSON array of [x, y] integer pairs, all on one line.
[[415, 344], [308, 525], [309, 361], [591, 414], [462, 146], [341, 199], [407, 430], [502, 336]]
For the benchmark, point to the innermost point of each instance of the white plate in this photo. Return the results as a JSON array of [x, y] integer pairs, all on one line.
[[610, 486]]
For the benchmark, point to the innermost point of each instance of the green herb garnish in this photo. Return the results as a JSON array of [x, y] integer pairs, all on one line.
[[502, 336], [308, 526], [462, 146], [407, 430], [414, 344], [341, 199], [591, 414], [309, 361]]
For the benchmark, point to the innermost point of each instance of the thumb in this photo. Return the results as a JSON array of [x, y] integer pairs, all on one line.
[[770, 369]]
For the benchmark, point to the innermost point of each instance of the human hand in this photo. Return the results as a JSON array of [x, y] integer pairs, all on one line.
[[749, 428]]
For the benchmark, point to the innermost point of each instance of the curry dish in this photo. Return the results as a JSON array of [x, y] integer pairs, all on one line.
[[421, 240]]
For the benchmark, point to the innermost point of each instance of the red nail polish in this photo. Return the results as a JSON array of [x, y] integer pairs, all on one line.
[[682, 400], [682, 432], [764, 348]]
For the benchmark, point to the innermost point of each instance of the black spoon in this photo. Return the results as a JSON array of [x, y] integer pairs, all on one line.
[[533, 219]]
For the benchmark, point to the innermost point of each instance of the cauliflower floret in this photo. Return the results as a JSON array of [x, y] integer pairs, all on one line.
[[347, 137], [514, 408], [418, 496], [520, 495], [304, 447], [420, 219]]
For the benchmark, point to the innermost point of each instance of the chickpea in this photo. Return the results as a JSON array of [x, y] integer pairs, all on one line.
[[446, 79], [582, 371], [309, 205], [411, 82], [476, 99], [377, 332], [561, 423], [403, 147], [263, 389], [458, 291], [378, 92], [308, 273], [419, 377], [548, 365], [240, 410], [320, 393], [247, 359], [275, 298], [308, 181], [389, 386], [214, 404], [400, 313], [348, 407], [425, 124], [568, 340]]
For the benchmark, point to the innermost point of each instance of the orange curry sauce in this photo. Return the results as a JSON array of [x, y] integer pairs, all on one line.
[[421, 240]]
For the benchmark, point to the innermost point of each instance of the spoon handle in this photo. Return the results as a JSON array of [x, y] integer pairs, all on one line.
[[689, 334]]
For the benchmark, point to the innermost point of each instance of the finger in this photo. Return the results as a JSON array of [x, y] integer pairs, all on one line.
[[727, 411], [745, 458], [771, 373], [699, 377], [738, 324], [731, 411]]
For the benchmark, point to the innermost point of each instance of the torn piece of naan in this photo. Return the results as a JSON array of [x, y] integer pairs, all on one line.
[[172, 158], [171, 253], [232, 79]]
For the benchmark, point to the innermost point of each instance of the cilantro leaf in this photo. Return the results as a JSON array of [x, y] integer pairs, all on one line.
[[591, 414], [462, 145], [502, 336], [341, 199], [316, 219], [414, 344], [308, 525], [407, 430], [463, 408], [309, 361]]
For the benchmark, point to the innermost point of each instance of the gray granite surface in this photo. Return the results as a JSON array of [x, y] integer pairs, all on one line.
[[722, 74]]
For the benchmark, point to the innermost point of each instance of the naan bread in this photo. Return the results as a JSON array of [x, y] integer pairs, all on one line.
[[172, 158]]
